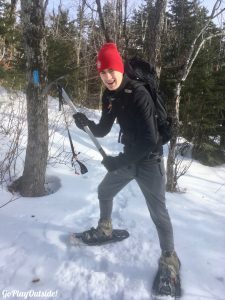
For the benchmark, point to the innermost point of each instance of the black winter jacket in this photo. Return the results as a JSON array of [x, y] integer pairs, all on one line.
[[134, 109]]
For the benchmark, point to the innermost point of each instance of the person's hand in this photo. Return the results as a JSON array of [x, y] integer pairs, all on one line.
[[111, 163], [80, 120]]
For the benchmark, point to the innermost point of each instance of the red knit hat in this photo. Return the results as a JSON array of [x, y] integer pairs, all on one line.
[[109, 58]]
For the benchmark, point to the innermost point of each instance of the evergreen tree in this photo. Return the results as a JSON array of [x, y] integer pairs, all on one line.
[[199, 105], [12, 63], [6, 35], [61, 49], [140, 27]]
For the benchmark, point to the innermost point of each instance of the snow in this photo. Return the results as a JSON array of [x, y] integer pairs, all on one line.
[[37, 260]]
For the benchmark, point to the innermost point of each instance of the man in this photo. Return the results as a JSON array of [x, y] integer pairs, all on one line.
[[131, 104]]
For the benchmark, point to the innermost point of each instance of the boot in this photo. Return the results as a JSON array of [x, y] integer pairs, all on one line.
[[169, 279], [99, 235]]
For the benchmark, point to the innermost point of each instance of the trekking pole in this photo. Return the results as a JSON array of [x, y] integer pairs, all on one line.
[[83, 168], [86, 128]]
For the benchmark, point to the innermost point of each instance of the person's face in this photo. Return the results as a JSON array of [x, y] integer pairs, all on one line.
[[112, 79]]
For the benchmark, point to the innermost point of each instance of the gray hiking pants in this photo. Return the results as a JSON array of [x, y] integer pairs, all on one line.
[[150, 176]]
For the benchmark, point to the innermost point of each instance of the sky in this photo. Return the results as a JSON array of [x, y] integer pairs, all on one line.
[[70, 5], [207, 3]]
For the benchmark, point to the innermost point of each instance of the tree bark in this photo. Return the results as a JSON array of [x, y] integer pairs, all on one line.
[[102, 22], [125, 26], [156, 33], [222, 136], [32, 19]]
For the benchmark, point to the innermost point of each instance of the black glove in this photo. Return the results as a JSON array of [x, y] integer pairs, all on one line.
[[111, 163], [80, 120]]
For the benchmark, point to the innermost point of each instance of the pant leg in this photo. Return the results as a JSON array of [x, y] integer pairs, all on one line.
[[112, 183], [151, 180]]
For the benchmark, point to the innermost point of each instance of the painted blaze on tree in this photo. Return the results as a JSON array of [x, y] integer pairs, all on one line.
[[32, 19]]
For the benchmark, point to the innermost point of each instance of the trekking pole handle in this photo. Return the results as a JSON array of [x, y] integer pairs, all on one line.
[[86, 128]]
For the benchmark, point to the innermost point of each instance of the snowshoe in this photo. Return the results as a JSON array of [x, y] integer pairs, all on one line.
[[164, 286], [167, 283], [92, 237]]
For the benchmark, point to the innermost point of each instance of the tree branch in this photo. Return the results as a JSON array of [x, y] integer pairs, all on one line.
[[11, 200], [219, 13], [89, 6], [192, 60], [45, 5], [105, 31]]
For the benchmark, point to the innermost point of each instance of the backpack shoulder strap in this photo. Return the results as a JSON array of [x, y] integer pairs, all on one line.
[[133, 85]]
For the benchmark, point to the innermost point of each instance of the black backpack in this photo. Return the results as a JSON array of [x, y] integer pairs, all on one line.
[[140, 70]]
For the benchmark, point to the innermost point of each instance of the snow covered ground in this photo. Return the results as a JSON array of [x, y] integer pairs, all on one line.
[[36, 258]]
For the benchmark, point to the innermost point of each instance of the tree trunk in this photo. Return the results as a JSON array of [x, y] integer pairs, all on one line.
[[222, 136], [33, 178], [156, 33], [125, 32], [171, 183], [102, 22]]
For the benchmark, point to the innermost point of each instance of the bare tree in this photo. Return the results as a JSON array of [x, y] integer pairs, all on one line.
[[102, 22], [13, 7], [32, 18], [125, 33], [80, 31], [201, 38], [45, 5], [12, 130], [156, 33], [78, 45]]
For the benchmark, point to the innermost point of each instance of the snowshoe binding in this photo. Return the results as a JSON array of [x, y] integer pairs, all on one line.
[[103, 234]]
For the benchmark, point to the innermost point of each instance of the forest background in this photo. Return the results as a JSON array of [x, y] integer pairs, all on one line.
[[74, 34]]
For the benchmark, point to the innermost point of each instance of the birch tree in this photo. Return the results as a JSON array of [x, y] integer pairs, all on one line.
[[199, 41]]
